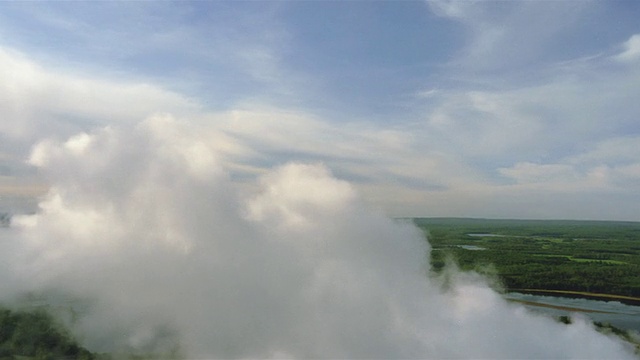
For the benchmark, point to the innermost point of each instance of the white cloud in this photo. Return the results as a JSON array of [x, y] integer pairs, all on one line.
[[452, 8], [536, 173], [465, 136], [631, 50], [39, 102], [503, 36], [426, 94], [477, 124], [287, 201], [614, 150], [217, 49], [609, 165], [166, 258]]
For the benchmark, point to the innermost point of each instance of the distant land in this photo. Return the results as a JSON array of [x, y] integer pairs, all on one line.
[[571, 256]]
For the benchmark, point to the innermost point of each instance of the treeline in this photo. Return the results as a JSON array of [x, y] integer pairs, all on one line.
[[609, 329], [523, 271], [5, 219], [36, 335], [585, 256]]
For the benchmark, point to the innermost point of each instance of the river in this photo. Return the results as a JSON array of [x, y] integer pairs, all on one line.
[[613, 312]]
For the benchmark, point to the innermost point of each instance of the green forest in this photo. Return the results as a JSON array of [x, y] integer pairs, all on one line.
[[36, 335], [598, 257]]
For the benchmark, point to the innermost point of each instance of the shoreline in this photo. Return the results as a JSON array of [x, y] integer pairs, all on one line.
[[629, 300], [558, 307]]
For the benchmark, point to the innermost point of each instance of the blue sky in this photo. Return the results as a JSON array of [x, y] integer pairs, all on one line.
[[444, 108]]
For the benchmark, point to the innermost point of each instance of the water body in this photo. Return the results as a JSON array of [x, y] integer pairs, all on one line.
[[612, 312], [471, 247], [485, 235]]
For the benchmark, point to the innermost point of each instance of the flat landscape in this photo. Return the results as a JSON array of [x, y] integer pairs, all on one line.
[[592, 259]]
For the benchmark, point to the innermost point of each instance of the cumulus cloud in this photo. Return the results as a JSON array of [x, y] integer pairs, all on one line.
[[38, 102], [144, 230]]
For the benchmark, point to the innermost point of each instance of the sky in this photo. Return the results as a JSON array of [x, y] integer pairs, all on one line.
[[496, 109]]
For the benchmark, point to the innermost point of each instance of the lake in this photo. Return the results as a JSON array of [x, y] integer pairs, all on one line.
[[485, 235], [471, 247]]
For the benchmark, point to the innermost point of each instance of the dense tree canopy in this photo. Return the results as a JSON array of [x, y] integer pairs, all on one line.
[[586, 256], [35, 334]]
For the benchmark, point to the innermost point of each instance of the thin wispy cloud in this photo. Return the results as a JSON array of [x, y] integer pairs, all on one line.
[[237, 71]]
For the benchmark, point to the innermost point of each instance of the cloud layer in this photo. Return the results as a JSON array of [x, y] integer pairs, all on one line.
[[484, 109], [144, 230]]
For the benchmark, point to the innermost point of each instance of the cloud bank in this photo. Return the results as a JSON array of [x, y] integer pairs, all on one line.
[[143, 228]]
